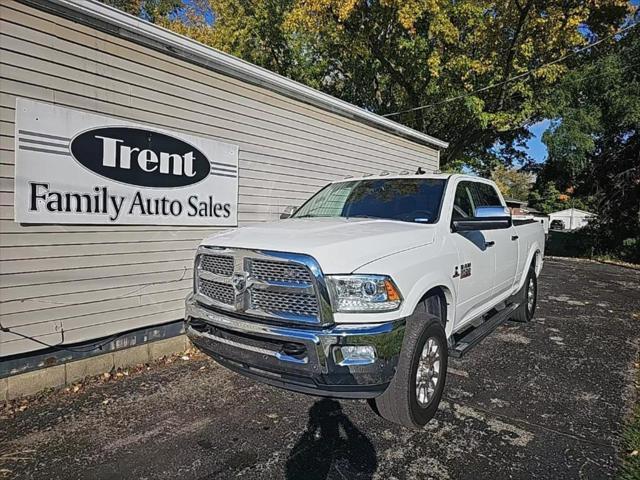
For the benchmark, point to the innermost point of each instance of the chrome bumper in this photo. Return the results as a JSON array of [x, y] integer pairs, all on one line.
[[301, 359]]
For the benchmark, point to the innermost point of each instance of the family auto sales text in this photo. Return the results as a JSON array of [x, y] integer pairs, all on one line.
[[101, 202]]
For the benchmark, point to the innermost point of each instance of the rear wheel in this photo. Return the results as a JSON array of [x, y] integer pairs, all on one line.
[[414, 394], [528, 298]]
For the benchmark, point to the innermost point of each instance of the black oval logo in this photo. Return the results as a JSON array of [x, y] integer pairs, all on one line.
[[140, 157]]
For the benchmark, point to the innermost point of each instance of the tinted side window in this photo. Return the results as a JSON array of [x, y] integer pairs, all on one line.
[[470, 195], [462, 206], [484, 195]]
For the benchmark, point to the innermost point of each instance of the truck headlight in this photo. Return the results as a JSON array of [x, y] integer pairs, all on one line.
[[363, 293]]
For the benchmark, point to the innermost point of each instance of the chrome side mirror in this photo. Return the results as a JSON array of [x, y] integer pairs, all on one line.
[[485, 218], [492, 212], [288, 212]]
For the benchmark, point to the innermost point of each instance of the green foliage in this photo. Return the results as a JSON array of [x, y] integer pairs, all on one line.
[[513, 183], [569, 144], [393, 55], [631, 439], [400, 55], [575, 243], [547, 199], [594, 143], [251, 30]]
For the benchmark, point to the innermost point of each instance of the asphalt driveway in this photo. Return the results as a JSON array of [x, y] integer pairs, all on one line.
[[540, 400]]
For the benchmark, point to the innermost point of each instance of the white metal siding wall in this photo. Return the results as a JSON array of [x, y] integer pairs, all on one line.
[[94, 281]]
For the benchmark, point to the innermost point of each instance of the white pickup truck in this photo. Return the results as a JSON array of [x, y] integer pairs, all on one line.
[[367, 289]]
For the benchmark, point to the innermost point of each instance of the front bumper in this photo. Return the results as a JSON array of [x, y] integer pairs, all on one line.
[[301, 359]]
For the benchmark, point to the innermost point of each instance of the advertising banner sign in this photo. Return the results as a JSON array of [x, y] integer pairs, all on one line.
[[74, 167]]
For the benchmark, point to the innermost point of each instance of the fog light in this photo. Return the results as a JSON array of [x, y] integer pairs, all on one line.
[[354, 355]]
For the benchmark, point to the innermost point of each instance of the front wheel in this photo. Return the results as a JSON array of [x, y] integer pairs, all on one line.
[[414, 394]]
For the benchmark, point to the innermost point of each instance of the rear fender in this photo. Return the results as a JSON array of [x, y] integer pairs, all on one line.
[[534, 254]]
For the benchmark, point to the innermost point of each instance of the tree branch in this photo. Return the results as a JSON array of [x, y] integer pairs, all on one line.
[[508, 67]]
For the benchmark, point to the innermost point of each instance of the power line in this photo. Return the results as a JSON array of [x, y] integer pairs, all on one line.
[[511, 79], [411, 121]]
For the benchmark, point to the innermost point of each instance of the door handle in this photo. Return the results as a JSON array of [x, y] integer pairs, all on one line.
[[514, 237], [489, 244]]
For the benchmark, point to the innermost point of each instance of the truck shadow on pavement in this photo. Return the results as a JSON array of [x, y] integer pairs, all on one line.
[[331, 444]]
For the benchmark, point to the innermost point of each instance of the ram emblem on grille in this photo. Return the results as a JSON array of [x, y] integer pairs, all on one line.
[[239, 282]]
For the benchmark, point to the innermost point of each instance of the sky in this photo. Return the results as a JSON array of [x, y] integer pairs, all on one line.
[[535, 148]]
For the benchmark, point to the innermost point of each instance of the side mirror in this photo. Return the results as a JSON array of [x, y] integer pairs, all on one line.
[[288, 212], [486, 218]]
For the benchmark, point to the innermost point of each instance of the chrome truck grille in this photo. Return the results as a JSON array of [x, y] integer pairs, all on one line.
[[298, 304], [271, 285]]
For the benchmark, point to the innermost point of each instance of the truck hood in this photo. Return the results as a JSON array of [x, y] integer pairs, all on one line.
[[340, 245]]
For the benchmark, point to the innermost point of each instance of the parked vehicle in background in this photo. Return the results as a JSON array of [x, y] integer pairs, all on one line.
[[571, 218], [367, 289]]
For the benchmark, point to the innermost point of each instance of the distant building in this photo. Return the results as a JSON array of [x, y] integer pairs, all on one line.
[[517, 207], [520, 209], [570, 219]]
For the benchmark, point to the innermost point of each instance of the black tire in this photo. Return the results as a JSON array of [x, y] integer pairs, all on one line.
[[399, 403], [524, 313]]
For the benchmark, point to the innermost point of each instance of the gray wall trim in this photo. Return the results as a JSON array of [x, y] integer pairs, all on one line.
[[115, 22]]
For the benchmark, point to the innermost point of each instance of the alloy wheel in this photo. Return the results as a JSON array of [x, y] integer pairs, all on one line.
[[428, 373]]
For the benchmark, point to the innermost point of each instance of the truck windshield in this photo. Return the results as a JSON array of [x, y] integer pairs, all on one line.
[[404, 199]]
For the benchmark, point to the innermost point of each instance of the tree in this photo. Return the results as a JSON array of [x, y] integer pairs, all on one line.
[[152, 10], [251, 30], [512, 183], [548, 199], [392, 55], [395, 55], [594, 142]]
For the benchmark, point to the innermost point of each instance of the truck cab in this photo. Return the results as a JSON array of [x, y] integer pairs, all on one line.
[[367, 289]]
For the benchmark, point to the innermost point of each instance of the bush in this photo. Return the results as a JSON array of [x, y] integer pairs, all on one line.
[[577, 243], [585, 243]]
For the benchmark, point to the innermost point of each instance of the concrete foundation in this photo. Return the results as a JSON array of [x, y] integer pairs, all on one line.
[[56, 376]]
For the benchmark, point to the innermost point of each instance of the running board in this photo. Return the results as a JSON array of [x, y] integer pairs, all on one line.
[[476, 335]]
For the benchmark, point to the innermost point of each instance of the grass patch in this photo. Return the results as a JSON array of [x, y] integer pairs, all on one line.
[[631, 438]]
